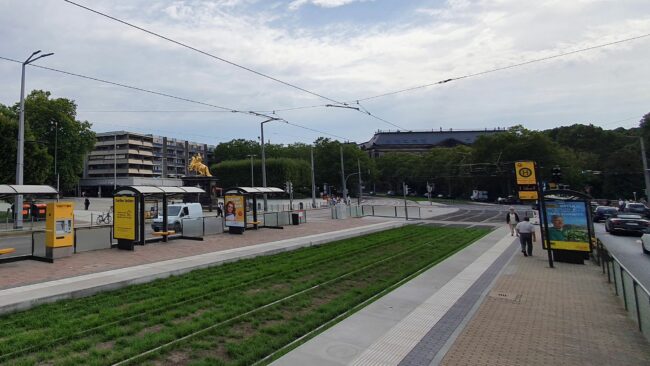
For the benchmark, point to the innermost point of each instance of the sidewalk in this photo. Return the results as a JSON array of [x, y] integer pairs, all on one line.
[[536, 315], [486, 305]]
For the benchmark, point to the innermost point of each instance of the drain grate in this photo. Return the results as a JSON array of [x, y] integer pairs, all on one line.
[[507, 296]]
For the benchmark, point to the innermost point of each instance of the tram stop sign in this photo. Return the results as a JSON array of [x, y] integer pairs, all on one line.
[[525, 171]]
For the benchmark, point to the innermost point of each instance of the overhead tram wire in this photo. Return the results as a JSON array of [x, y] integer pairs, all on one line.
[[224, 109], [205, 53], [563, 54], [127, 86]]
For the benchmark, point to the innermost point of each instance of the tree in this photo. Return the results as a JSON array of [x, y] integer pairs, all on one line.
[[37, 161], [75, 139]]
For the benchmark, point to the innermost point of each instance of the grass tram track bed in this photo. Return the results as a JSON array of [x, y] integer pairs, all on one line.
[[240, 313]]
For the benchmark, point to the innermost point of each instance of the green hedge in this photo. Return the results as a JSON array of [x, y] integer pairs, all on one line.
[[237, 173]]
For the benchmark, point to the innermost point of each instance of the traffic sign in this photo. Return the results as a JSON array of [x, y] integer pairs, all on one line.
[[525, 172]]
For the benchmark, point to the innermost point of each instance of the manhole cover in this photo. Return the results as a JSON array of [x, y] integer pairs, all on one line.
[[508, 296]]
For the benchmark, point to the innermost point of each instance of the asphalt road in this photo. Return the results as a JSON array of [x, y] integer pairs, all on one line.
[[628, 251]]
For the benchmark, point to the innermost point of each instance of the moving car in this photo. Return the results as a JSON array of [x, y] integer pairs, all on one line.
[[602, 213], [176, 213], [624, 222], [637, 208]]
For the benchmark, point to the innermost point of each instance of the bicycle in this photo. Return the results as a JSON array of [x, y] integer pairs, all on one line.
[[104, 219]]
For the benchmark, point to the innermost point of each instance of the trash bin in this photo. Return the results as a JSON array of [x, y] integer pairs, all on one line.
[[295, 219]]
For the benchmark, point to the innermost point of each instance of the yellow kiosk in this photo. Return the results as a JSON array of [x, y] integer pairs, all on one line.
[[59, 229]]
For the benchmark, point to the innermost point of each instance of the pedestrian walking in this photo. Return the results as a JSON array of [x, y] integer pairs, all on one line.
[[219, 209], [512, 219], [86, 203], [526, 232], [621, 205]]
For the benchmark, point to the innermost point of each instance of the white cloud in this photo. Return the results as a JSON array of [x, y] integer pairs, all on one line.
[[345, 61], [296, 4]]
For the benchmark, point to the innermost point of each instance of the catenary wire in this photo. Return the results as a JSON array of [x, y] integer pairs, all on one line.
[[225, 109], [509, 66], [202, 52]]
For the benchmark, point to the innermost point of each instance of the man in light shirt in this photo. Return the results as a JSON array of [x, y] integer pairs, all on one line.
[[512, 219], [526, 232]]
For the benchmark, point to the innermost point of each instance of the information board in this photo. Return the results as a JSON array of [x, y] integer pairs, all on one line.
[[124, 223]]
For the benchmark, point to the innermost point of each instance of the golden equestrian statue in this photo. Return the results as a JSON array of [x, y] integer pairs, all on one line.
[[196, 165]]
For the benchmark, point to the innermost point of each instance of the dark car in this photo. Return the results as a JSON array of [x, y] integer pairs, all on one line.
[[603, 213], [625, 222], [637, 208]]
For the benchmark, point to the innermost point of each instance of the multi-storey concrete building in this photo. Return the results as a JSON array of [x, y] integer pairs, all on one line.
[[122, 158]]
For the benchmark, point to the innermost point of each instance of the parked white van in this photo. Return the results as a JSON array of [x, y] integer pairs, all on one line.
[[176, 214]]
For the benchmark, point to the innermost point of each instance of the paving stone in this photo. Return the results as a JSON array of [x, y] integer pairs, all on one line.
[[562, 316]]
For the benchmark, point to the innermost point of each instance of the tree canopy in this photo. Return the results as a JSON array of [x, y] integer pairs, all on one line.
[[49, 123]]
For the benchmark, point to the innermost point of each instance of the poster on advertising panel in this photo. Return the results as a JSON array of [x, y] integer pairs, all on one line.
[[567, 223], [124, 221], [234, 211]]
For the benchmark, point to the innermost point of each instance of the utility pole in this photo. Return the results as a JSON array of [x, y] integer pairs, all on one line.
[[646, 173], [313, 179], [360, 190], [56, 156], [20, 156], [405, 190], [345, 190], [252, 176], [115, 162]]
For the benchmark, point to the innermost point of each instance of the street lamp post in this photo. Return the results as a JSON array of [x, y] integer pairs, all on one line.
[[313, 180], [345, 189], [20, 159], [56, 156], [252, 176], [264, 158]]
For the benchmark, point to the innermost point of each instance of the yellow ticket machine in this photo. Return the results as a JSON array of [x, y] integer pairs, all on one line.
[[59, 229]]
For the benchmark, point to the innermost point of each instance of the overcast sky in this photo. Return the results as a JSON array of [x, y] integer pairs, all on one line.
[[342, 49]]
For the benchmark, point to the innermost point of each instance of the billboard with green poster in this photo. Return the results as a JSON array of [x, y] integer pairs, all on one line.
[[568, 225]]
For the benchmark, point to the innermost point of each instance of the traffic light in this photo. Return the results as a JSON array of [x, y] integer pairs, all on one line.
[[557, 174]]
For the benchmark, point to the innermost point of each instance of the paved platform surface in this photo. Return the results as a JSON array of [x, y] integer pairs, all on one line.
[[486, 305], [535, 315]]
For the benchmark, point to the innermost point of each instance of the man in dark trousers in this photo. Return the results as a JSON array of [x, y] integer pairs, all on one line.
[[512, 219], [526, 232], [86, 203]]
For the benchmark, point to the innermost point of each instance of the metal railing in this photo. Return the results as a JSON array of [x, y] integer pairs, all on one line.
[[398, 211], [635, 297]]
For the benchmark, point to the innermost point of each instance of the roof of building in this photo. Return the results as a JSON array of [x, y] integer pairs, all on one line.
[[425, 138]]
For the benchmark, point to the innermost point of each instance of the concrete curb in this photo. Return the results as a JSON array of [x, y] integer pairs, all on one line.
[[25, 297]]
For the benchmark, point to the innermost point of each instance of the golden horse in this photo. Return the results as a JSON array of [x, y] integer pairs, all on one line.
[[196, 165]]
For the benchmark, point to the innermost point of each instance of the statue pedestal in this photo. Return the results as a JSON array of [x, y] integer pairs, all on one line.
[[205, 183]]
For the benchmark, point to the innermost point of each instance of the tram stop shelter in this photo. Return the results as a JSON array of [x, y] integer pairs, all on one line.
[[10, 191], [236, 202], [129, 214]]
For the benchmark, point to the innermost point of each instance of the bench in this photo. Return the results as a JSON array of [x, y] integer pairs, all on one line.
[[255, 222], [7, 251], [163, 233]]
